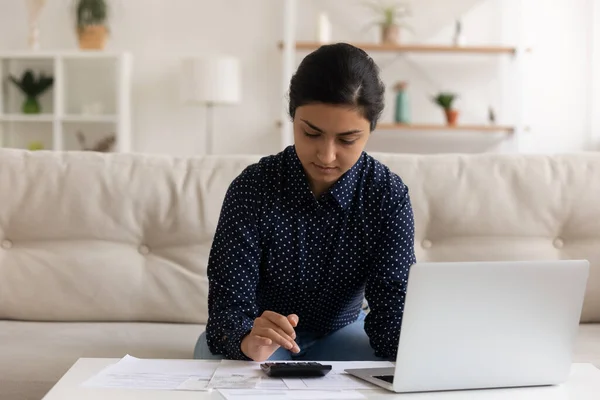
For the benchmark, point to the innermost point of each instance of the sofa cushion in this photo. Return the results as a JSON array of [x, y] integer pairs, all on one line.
[[506, 207], [587, 346], [115, 237], [35, 355]]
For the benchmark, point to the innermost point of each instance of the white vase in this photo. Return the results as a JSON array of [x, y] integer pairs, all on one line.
[[459, 38], [323, 28], [34, 9]]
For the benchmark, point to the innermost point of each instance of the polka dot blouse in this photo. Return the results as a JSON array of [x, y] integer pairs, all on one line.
[[279, 248]]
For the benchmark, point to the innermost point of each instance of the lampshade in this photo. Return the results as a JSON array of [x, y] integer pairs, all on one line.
[[212, 79]]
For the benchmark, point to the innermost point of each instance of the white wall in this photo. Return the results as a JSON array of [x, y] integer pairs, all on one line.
[[594, 102], [558, 75], [554, 99]]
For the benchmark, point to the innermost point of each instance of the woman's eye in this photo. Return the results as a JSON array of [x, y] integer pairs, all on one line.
[[312, 135], [347, 141]]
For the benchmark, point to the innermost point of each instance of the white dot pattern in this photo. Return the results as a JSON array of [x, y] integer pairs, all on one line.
[[279, 248]]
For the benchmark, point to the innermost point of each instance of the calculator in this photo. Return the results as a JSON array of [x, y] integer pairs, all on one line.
[[295, 369]]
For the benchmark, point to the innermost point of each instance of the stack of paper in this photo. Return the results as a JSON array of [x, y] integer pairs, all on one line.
[[135, 373], [233, 379]]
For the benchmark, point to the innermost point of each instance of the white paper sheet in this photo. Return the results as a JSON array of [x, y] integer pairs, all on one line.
[[231, 381], [331, 381], [254, 394], [338, 379], [233, 374], [135, 373], [195, 384]]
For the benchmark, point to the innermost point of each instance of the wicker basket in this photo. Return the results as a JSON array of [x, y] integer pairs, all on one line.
[[92, 37]]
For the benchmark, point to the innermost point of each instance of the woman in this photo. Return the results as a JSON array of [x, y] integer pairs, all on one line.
[[306, 234]]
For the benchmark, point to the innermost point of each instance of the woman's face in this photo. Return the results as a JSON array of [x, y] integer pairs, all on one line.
[[329, 140]]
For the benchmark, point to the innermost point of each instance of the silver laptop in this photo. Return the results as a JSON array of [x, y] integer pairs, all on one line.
[[478, 325]]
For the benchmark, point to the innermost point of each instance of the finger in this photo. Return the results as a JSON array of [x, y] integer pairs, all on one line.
[[281, 322], [293, 318], [277, 336], [294, 348]]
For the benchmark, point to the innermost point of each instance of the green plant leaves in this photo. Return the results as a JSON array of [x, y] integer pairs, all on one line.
[[32, 86], [444, 100], [91, 12], [390, 12]]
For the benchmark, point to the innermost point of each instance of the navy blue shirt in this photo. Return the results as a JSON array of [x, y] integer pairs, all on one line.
[[279, 248]]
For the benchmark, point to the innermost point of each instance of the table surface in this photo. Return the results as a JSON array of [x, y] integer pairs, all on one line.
[[584, 384]]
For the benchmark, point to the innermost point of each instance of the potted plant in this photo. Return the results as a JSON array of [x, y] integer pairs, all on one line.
[[445, 101], [391, 18], [32, 88], [92, 27]]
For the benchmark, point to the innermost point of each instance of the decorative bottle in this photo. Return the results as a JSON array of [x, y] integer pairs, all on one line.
[[402, 110]]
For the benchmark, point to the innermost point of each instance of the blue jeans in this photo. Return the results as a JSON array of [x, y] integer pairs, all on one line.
[[349, 343]]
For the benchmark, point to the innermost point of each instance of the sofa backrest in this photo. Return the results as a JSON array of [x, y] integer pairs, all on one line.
[[125, 237]]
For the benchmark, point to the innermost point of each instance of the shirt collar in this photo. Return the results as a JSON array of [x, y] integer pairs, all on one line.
[[342, 191], [298, 189]]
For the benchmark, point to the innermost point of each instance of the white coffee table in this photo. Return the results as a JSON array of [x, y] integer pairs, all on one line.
[[584, 384]]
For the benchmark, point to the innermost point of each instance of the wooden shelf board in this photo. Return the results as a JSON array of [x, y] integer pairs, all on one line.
[[434, 127], [416, 48]]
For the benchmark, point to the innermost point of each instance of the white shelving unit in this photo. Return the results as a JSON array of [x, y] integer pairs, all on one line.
[[91, 94]]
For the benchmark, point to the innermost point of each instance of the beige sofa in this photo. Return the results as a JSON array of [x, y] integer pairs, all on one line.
[[105, 255]]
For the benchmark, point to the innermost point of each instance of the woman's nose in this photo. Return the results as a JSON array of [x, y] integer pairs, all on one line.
[[326, 153]]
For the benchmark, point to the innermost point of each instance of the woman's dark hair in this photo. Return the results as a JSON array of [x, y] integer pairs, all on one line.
[[339, 74]]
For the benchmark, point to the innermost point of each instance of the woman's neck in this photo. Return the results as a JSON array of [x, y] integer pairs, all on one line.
[[318, 189]]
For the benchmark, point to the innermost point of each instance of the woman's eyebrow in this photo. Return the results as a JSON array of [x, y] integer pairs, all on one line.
[[316, 128]]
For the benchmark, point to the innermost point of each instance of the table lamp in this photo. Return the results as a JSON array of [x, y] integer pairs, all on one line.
[[209, 81]]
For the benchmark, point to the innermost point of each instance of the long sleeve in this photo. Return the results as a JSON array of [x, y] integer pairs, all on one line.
[[233, 268], [386, 285]]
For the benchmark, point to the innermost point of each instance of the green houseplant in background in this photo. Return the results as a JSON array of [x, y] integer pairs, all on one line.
[[446, 100], [392, 17], [35, 146], [32, 88], [91, 23]]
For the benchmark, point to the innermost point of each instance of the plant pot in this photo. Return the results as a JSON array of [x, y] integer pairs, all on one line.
[[92, 37], [390, 34], [451, 116], [31, 105]]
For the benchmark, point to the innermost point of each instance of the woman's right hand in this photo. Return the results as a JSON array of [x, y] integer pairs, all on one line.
[[269, 332]]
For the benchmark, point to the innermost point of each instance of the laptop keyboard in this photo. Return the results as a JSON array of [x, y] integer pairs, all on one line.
[[387, 378]]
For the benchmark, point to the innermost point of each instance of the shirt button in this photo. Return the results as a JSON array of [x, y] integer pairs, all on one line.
[[426, 244], [6, 244], [143, 249], [559, 243]]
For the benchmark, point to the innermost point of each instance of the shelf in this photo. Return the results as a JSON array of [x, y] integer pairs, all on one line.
[[64, 111], [67, 54], [433, 127], [27, 118], [90, 118], [416, 48], [66, 118]]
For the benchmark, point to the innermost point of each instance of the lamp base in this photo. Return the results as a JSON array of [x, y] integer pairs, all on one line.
[[209, 128]]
